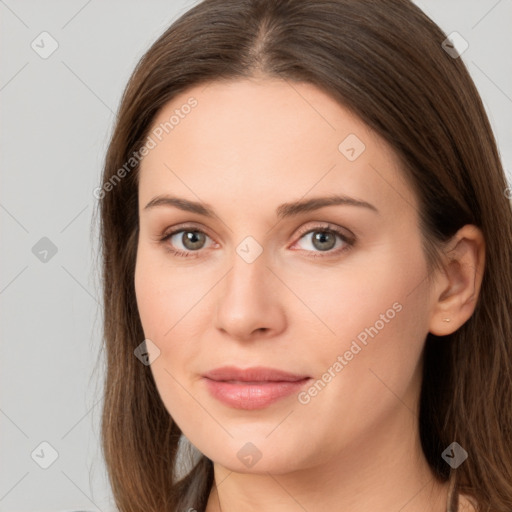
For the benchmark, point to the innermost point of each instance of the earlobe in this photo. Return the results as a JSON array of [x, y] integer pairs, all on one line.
[[455, 294]]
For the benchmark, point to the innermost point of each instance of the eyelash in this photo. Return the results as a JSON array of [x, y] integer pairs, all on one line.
[[324, 228]]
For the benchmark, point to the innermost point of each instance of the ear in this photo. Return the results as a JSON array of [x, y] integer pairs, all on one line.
[[457, 286]]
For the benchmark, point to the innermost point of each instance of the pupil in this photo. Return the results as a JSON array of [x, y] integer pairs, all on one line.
[[321, 240]]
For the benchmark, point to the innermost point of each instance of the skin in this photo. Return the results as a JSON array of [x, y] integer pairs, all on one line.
[[247, 147]]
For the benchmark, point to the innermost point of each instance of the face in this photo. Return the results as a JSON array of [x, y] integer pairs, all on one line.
[[277, 232]]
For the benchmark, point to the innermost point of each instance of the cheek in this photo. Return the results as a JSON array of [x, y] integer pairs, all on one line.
[[165, 294], [175, 309], [378, 294], [375, 313], [169, 307], [379, 312]]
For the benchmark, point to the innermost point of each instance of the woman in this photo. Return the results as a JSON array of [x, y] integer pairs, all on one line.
[[307, 268]]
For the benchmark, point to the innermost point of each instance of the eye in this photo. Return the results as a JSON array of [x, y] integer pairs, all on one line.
[[326, 239], [329, 239], [185, 242]]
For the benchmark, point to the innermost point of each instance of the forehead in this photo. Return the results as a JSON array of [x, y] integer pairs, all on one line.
[[266, 140]]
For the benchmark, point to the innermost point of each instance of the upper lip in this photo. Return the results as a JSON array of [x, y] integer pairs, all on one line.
[[254, 374]]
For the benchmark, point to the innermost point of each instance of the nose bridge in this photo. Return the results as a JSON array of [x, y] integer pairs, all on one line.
[[246, 302], [247, 278]]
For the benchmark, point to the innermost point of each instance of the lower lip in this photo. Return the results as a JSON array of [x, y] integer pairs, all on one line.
[[245, 395]]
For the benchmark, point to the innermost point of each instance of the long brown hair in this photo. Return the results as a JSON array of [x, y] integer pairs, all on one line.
[[385, 62]]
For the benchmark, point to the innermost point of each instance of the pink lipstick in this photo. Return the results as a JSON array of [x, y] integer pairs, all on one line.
[[252, 388]]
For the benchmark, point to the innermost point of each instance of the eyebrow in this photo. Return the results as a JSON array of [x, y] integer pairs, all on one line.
[[282, 211]]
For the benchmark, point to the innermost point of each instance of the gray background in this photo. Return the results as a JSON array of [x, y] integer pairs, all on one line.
[[57, 115]]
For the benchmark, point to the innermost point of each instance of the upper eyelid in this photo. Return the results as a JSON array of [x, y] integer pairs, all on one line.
[[185, 227], [326, 226]]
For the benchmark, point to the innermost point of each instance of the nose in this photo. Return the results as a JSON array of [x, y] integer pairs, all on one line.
[[248, 305]]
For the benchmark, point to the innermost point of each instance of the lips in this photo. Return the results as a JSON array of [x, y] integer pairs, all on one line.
[[252, 388], [255, 374]]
